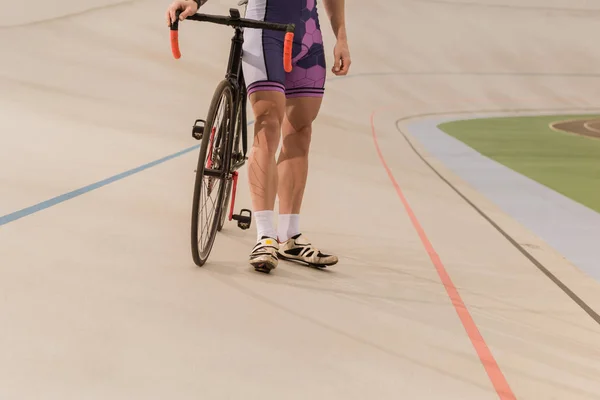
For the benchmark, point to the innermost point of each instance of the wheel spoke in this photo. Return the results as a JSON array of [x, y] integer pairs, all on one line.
[[206, 225]]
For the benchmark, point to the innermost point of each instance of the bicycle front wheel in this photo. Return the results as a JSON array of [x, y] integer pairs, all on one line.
[[211, 173]]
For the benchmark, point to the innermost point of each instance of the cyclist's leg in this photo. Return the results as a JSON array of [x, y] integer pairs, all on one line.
[[292, 166], [304, 88], [268, 108], [293, 158], [265, 78], [304, 91]]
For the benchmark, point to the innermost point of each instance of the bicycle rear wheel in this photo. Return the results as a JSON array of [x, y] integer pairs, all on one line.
[[211, 172]]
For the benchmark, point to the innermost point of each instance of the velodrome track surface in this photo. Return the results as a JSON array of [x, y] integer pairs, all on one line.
[[99, 297]]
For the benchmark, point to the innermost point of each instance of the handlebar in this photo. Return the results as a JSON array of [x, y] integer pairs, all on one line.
[[234, 20]]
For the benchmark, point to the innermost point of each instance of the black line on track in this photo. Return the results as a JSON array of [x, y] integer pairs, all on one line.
[[584, 306]]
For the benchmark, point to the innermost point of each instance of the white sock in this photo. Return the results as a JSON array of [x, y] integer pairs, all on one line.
[[264, 224], [289, 225]]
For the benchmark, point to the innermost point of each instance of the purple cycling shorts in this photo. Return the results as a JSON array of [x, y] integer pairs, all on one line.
[[262, 58]]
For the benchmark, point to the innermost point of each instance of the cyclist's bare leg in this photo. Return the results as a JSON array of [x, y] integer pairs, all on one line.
[[292, 164], [269, 109], [292, 168]]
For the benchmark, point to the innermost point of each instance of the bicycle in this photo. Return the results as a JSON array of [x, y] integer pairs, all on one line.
[[220, 155]]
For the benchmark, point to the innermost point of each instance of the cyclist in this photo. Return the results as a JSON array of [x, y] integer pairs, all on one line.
[[285, 106]]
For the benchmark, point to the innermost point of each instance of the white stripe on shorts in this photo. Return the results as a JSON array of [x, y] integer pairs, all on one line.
[[253, 60]]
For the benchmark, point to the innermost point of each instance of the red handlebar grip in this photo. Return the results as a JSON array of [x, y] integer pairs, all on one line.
[[287, 51], [175, 44]]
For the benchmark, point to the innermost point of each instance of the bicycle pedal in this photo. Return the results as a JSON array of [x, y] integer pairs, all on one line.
[[244, 221], [198, 130]]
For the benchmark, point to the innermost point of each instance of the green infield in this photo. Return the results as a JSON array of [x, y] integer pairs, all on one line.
[[568, 163]]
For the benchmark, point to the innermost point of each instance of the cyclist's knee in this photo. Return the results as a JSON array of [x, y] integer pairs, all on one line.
[[301, 114], [267, 131], [296, 142], [298, 130], [268, 113], [303, 130]]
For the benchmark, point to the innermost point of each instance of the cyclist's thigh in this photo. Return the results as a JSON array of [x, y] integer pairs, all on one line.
[[301, 111], [307, 78], [262, 58], [268, 103]]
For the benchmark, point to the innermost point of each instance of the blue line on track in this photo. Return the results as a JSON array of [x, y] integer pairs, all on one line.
[[5, 219], [78, 192]]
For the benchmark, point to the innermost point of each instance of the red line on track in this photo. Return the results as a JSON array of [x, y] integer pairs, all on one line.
[[483, 352]]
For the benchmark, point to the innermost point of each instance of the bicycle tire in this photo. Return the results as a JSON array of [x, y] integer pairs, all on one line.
[[224, 90]]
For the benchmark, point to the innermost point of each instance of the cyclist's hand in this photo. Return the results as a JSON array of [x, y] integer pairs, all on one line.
[[187, 7], [341, 56]]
